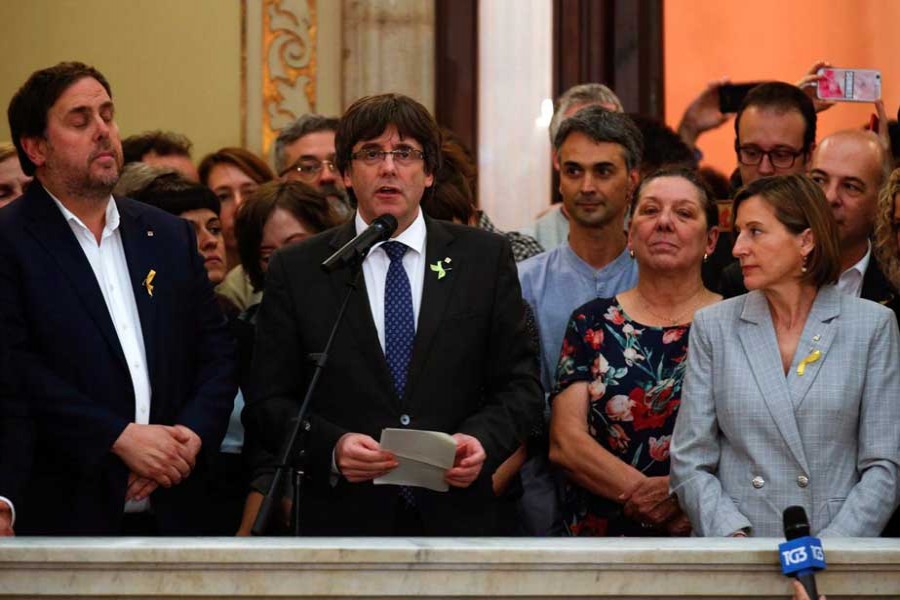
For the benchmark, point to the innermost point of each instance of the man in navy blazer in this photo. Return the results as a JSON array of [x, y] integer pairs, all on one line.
[[118, 370]]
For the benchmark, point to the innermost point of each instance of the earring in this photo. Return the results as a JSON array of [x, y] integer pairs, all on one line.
[[803, 269], [631, 253], [705, 257]]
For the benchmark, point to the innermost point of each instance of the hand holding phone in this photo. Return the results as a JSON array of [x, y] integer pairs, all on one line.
[[848, 85]]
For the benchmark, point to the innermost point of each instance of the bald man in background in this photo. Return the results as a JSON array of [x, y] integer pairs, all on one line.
[[850, 166]]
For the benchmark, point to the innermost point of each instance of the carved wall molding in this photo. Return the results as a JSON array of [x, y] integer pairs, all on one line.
[[279, 67]]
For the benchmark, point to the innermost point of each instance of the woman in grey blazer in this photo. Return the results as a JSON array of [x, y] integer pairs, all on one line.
[[791, 390]]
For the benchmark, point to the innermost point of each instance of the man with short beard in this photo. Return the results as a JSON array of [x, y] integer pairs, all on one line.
[[118, 369], [599, 155]]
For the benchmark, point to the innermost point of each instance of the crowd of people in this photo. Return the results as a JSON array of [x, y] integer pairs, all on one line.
[[667, 351]]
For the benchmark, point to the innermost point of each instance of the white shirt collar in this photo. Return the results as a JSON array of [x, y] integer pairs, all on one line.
[[112, 215], [413, 236], [851, 281], [863, 264]]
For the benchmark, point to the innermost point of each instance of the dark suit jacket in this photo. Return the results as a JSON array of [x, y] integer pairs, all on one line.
[[472, 371], [66, 372]]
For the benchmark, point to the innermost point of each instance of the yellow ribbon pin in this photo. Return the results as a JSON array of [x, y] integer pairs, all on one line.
[[440, 268], [813, 357], [148, 282]]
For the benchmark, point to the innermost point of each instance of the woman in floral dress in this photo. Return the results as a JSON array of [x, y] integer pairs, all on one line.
[[621, 367]]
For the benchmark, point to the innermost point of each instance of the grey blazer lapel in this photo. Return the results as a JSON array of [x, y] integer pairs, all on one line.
[[757, 335], [818, 334]]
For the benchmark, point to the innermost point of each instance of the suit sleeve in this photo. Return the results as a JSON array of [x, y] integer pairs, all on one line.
[[872, 500], [215, 367], [82, 430], [16, 437], [280, 377], [696, 445], [513, 396]]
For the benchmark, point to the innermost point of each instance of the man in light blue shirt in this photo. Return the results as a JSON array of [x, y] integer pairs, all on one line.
[[599, 155]]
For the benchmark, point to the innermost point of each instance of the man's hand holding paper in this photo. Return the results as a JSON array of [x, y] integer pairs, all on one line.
[[425, 458], [469, 459], [360, 458]]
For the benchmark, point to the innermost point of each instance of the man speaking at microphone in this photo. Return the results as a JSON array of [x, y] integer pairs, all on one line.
[[433, 339]]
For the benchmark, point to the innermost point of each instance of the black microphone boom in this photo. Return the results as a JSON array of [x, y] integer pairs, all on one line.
[[354, 251]]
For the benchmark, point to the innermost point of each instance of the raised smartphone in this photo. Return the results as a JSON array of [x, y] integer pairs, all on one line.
[[848, 85], [731, 95]]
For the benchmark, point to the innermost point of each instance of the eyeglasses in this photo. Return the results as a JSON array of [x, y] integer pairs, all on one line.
[[309, 170], [781, 158], [401, 156]]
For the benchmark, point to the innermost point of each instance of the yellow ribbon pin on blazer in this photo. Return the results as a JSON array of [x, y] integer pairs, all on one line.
[[440, 268], [148, 282], [813, 357]]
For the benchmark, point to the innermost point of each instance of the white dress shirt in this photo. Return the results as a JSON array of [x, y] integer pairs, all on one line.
[[110, 267], [375, 269], [850, 281]]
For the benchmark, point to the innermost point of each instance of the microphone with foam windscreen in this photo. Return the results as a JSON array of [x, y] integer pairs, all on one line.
[[354, 251], [801, 555]]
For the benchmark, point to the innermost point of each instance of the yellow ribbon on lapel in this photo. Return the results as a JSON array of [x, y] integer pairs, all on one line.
[[148, 282], [813, 357], [440, 268]]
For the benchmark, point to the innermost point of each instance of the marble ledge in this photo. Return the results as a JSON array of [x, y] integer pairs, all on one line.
[[432, 568]]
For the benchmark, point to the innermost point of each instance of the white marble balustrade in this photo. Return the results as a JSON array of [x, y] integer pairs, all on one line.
[[431, 568]]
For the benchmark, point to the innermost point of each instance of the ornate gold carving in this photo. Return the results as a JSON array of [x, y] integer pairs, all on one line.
[[289, 64]]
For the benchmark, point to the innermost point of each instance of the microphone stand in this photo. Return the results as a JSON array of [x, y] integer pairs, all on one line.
[[299, 433]]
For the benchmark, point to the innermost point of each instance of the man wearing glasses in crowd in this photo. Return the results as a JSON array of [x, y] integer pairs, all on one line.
[[304, 151], [775, 134], [434, 339], [775, 131]]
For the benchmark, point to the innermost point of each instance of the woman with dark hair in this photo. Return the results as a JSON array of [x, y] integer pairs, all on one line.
[[275, 215], [790, 395], [278, 214], [170, 191], [233, 174], [619, 378]]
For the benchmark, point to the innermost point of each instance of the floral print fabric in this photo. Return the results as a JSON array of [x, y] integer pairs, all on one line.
[[634, 374]]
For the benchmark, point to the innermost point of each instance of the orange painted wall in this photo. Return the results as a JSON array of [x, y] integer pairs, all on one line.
[[776, 39]]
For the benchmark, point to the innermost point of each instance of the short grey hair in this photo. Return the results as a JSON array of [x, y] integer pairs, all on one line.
[[585, 93], [308, 123], [136, 176], [602, 125]]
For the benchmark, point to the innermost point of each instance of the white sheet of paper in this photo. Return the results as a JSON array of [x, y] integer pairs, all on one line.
[[424, 457]]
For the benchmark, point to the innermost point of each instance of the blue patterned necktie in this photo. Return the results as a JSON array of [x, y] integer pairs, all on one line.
[[399, 329], [399, 323]]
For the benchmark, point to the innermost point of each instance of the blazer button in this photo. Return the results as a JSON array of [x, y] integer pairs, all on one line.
[[803, 481], [404, 420], [758, 482]]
